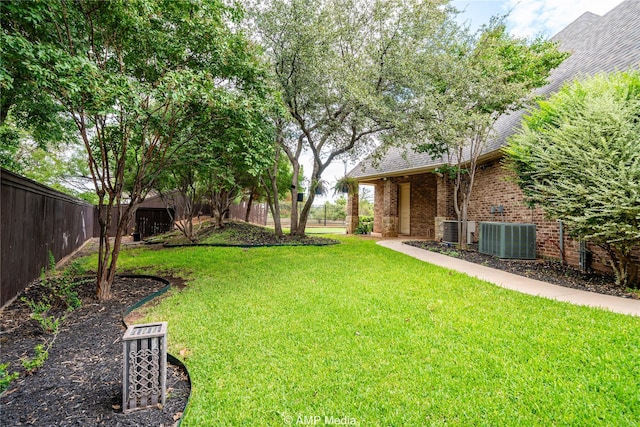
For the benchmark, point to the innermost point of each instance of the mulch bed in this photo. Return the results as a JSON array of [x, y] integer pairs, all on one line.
[[241, 234], [544, 270], [81, 382]]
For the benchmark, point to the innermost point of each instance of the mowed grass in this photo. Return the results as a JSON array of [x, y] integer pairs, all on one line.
[[358, 333], [325, 230]]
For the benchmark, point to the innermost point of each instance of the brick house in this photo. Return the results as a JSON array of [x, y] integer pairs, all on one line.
[[410, 199]]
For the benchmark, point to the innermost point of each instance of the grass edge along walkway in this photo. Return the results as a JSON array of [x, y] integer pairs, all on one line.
[[357, 332], [519, 283]]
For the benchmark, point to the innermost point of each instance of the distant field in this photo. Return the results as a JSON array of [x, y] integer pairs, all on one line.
[[325, 230], [318, 230]]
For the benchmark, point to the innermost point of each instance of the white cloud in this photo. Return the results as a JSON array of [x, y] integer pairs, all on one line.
[[529, 18]]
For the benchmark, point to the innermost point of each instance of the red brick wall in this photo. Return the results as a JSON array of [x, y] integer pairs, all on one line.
[[432, 196], [424, 202], [444, 206], [378, 202], [494, 186]]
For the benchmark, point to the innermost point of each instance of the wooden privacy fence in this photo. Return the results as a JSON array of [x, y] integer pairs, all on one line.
[[36, 220], [258, 214]]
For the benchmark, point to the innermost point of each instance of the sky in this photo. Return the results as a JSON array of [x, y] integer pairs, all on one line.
[[527, 18]]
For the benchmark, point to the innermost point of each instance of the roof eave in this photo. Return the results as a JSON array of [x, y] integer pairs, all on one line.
[[371, 179]]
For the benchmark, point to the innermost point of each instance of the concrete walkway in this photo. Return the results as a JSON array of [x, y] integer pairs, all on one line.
[[519, 283]]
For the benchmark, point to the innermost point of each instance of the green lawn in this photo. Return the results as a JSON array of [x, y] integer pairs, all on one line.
[[278, 336], [325, 230]]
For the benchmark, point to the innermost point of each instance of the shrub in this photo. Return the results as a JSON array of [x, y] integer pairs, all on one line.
[[577, 157], [365, 225], [6, 378]]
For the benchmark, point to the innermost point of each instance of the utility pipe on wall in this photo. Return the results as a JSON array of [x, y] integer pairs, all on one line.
[[561, 243]]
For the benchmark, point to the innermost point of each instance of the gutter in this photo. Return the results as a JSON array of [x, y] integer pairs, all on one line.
[[370, 179]]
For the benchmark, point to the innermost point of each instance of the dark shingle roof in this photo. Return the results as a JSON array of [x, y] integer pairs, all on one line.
[[596, 43]]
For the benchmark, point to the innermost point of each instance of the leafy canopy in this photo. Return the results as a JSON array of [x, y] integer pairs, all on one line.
[[341, 67], [138, 79], [476, 79]]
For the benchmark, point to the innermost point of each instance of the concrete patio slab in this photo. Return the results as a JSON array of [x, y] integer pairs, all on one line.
[[519, 283]]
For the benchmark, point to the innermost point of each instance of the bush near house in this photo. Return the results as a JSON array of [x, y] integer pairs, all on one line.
[[365, 224], [577, 157]]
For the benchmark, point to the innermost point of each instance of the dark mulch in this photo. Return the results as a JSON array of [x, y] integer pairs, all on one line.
[[234, 233], [544, 270], [81, 382]]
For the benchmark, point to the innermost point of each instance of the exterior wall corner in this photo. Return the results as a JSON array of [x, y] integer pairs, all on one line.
[[353, 214]]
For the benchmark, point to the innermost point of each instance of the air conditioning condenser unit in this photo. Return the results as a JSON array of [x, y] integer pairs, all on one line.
[[450, 232], [508, 240]]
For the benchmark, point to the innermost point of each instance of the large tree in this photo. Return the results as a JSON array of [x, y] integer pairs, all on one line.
[[476, 79], [227, 157], [578, 157], [340, 67], [28, 116], [276, 181], [138, 79]]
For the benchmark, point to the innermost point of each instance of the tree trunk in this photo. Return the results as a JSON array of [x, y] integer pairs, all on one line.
[[220, 204], [624, 268], [306, 210], [187, 220], [103, 288], [272, 201], [185, 225], [274, 207], [304, 215], [463, 216], [463, 227], [294, 198], [463, 188], [247, 214], [277, 223], [466, 200], [216, 213], [271, 190], [107, 254]]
